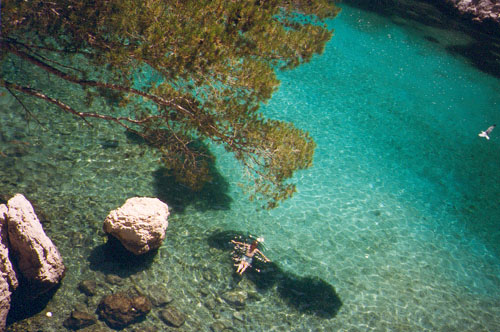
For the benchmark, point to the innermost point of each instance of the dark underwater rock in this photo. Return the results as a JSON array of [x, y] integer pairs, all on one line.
[[113, 279], [88, 287], [161, 299], [119, 310], [79, 320]]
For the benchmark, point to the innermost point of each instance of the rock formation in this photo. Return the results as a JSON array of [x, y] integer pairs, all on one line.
[[139, 224], [478, 10], [37, 258], [8, 279], [26, 254]]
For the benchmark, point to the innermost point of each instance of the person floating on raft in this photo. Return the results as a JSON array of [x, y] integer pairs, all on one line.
[[249, 253]]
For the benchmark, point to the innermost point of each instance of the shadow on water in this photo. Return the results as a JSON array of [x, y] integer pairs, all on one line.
[[407, 9], [112, 258], [483, 54], [483, 49], [213, 195], [310, 295]]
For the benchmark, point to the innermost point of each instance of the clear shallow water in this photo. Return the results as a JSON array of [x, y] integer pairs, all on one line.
[[399, 214]]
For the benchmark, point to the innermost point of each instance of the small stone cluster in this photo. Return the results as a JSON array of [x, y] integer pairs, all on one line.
[[114, 303], [26, 253], [122, 307]]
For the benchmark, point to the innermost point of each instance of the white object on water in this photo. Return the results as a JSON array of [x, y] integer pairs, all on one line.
[[487, 132]]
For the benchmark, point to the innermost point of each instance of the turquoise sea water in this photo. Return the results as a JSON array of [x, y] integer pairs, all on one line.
[[395, 228]]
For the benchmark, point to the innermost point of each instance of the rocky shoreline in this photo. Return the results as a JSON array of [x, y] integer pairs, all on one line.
[[482, 11], [28, 258], [482, 15], [30, 261]]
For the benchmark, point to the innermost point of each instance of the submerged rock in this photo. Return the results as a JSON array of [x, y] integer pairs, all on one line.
[[88, 287], [217, 327], [160, 299], [79, 320], [36, 256], [146, 329], [235, 298], [238, 316], [139, 224], [113, 279], [173, 317], [119, 310]]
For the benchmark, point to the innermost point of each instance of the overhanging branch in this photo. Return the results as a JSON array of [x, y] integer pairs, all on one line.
[[22, 104], [82, 115], [157, 99], [253, 159]]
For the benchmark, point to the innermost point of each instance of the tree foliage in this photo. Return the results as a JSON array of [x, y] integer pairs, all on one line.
[[211, 65]]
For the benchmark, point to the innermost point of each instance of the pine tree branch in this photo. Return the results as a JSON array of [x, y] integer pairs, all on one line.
[[22, 105], [83, 115], [73, 79]]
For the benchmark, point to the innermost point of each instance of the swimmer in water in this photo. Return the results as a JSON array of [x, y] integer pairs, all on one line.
[[244, 261]]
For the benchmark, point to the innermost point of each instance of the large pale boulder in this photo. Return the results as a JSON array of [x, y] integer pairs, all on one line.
[[5, 294], [139, 224], [37, 258], [8, 278], [6, 268]]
